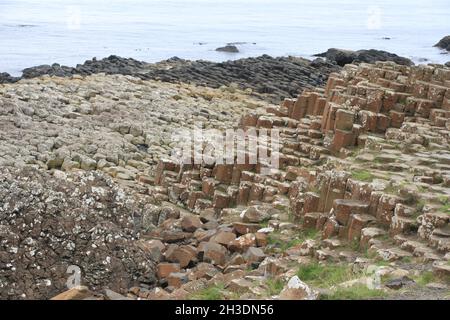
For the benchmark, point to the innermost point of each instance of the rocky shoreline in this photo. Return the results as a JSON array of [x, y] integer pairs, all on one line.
[[277, 78], [362, 191]]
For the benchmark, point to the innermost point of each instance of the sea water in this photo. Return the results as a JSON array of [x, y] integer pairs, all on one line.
[[34, 32]]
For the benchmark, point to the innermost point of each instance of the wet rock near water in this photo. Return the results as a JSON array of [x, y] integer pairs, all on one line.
[[343, 57], [444, 43], [277, 78], [228, 48], [274, 78], [7, 78]]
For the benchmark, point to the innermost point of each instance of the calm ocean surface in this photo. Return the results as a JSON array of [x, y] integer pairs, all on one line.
[[34, 32]]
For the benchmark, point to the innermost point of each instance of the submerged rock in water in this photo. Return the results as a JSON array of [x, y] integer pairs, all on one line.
[[228, 48]]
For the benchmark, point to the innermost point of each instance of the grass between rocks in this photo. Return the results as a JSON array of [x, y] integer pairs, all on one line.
[[276, 240], [362, 175], [356, 292], [324, 275], [445, 208], [330, 275], [210, 293], [425, 278], [274, 287]]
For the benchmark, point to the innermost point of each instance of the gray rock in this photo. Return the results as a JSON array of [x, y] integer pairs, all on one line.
[[343, 57], [228, 48], [399, 283], [444, 43]]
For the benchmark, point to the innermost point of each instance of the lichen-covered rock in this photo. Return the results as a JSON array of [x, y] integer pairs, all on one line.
[[49, 223]]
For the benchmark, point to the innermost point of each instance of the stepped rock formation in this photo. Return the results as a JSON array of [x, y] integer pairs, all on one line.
[[364, 160], [363, 183]]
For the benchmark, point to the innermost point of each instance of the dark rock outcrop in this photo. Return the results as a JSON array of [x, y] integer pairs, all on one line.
[[110, 65], [228, 48], [343, 57], [7, 78], [444, 43], [277, 78], [53, 70], [49, 223]]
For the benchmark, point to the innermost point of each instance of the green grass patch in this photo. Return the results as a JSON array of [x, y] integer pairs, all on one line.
[[370, 254], [420, 206], [310, 234], [285, 245], [356, 292], [355, 245], [275, 240], [425, 278], [314, 189], [325, 275], [210, 293], [406, 260], [264, 224], [445, 208], [330, 275], [363, 175], [391, 189], [381, 263], [274, 287]]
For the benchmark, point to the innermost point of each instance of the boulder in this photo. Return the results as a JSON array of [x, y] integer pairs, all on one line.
[[239, 285], [342, 57], [214, 253], [444, 43], [228, 48], [297, 290], [181, 254], [190, 223], [7, 78], [339, 56], [112, 295], [177, 279], [398, 283], [254, 254], [223, 237], [76, 293], [153, 247], [164, 269], [242, 243], [255, 214], [243, 228]]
